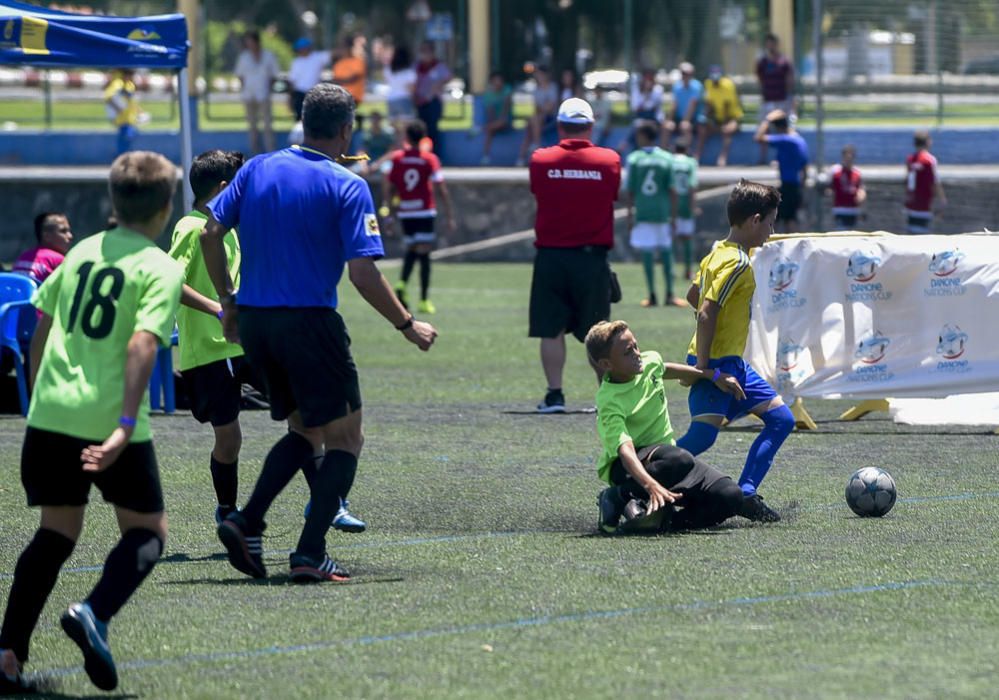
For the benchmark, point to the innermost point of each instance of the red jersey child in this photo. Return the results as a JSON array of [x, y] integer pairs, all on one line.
[[921, 185], [847, 189], [413, 180]]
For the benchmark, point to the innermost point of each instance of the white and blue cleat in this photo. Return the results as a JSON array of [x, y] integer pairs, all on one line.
[[344, 520], [91, 635]]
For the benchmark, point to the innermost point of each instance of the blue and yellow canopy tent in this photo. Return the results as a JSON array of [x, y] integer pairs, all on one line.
[[35, 36]]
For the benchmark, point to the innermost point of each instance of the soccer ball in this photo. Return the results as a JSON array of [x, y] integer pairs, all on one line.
[[870, 492], [637, 522]]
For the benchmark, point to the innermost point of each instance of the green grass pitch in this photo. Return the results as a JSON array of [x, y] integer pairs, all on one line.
[[481, 574]]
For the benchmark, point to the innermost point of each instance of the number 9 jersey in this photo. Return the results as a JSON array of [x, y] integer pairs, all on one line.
[[412, 174], [110, 286]]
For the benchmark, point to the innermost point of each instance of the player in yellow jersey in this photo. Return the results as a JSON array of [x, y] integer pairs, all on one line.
[[104, 314], [722, 294]]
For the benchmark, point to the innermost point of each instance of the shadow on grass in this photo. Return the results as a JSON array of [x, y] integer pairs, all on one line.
[[183, 558], [46, 687], [280, 580]]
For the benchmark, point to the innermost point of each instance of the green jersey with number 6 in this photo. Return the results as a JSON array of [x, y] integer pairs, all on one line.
[[684, 182], [110, 286], [649, 180]]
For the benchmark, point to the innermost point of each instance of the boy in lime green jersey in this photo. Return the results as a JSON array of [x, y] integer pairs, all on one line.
[[640, 459], [685, 189], [651, 207], [213, 369], [104, 314]]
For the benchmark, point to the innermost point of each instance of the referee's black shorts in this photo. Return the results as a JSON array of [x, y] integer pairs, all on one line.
[[570, 291], [302, 355]]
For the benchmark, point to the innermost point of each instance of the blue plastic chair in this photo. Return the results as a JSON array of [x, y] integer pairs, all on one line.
[[162, 392], [17, 323]]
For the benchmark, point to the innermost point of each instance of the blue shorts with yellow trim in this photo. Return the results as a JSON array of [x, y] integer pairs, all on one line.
[[707, 399]]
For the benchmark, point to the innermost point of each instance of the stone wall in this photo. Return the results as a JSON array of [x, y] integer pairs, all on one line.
[[496, 202]]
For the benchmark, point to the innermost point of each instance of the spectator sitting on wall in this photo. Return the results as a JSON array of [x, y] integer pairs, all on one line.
[[497, 107], [688, 106], [646, 104], [401, 78], [54, 236], [378, 141], [350, 70], [721, 100], [545, 105], [602, 112], [432, 75], [569, 85]]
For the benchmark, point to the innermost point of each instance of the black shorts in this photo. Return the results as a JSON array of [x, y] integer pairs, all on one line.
[[302, 356], [686, 473], [845, 221], [570, 291], [419, 230], [215, 390], [52, 473], [297, 100], [790, 200]]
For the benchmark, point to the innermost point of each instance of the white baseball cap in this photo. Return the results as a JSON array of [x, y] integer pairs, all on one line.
[[575, 111]]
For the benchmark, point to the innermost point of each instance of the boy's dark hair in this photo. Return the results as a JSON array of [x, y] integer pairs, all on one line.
[[252, 34], [401, 59], [649, 129], [921, 139], [781, 124], [600, 338], [326, 110], [680, 146], [211, 168], [41, 220], [771, 37], [497, 74], [416, 131], [751, 198], [849, 148], [141, 185]]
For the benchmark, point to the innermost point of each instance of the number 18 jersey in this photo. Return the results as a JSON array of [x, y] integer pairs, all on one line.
[[413, 174], [110, 286], [650, 176]]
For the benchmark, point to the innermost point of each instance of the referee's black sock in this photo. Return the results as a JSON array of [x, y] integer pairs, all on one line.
[[34, 578], [331, 483], [282, 463], [225, 479], [407, 264], [125, 569], [424, 275]]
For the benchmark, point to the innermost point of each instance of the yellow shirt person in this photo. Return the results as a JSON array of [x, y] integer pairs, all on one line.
[[122, 108]]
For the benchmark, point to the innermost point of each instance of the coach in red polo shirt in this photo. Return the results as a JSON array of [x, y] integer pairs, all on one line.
[[575, 184]]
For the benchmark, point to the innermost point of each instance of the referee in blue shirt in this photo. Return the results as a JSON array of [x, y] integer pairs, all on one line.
[[301, 216]]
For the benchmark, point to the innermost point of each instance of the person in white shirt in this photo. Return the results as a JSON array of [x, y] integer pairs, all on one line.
[[401, 78], [257, 68], [305, 73]]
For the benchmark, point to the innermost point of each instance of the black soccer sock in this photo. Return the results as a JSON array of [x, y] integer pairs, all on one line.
[[311, 467], [125, 569], [332, 482], [407, 265], [282, 463], [34, 578], [424, 275], [225, 479]]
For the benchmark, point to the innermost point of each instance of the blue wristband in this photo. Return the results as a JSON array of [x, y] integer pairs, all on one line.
[[127, 422], [717, 375], [219, 314]]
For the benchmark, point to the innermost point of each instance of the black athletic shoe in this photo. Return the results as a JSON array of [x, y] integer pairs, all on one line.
[[306, 569], [554, 402], [91, 635], [245, 547], [610, 509], [753, 508], [12, 681]]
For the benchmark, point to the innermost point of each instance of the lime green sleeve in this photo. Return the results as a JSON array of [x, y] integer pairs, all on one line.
[[158, 303], [183, 248], [46, 297], [611, 428]]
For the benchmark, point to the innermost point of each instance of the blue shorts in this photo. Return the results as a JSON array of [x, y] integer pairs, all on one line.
[[707, 399]]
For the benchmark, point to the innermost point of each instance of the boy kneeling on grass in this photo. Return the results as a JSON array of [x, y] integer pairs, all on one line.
[[640, 459]]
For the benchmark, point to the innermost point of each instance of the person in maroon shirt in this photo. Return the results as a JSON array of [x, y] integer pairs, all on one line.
[[575, 184], [775, 72]]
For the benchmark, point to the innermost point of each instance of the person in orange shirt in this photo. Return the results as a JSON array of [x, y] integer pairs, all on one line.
[[350, 70]]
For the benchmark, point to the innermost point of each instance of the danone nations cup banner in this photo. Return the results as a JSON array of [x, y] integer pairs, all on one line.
[[876, 316]]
